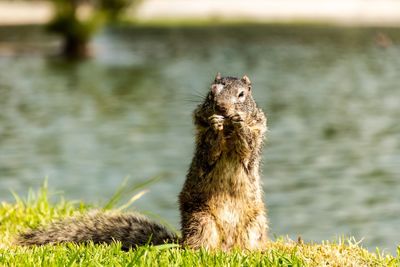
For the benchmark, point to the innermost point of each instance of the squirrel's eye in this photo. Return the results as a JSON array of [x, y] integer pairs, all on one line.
[[241, 94]]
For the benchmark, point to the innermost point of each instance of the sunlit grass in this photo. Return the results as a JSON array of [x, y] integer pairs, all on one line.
[[36, 209]]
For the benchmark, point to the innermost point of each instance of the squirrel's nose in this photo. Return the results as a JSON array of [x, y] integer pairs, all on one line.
[[222, 107]]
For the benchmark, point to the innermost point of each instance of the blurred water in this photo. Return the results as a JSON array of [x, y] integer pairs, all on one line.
[[331, 163]]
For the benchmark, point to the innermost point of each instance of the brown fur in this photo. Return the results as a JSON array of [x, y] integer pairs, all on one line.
[[221, 201]]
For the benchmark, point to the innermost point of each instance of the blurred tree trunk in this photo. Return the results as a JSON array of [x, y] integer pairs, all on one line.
[[78, 20], [75, 48]]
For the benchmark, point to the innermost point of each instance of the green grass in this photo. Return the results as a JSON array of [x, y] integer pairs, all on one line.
[[37, 210]]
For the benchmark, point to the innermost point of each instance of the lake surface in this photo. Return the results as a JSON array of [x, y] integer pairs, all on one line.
[[332, 95]]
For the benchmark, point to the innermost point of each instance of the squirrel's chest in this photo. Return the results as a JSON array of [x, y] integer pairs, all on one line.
[[230, 177]]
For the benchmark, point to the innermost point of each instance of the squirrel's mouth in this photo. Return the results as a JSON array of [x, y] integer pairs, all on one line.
[[223, 112], [224, 115]]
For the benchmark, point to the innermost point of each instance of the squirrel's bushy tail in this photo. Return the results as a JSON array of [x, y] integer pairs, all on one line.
[[130, 229]]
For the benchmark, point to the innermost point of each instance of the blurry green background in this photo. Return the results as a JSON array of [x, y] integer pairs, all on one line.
[[332, 159]]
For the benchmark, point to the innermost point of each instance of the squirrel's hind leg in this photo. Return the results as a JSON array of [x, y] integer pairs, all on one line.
[[256, 238], [201, 231]]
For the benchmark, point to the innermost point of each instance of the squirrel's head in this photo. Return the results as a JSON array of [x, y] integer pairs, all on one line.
[[229, 95]]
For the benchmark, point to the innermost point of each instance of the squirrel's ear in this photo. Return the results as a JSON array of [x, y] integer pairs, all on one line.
[[246, 80], [217, 77], [216, 88]]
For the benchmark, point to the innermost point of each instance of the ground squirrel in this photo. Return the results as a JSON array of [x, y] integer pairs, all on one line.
[[221, 201]]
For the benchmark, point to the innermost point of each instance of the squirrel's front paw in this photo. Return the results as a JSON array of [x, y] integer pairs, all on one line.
[[217, 122], [237, 120]]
